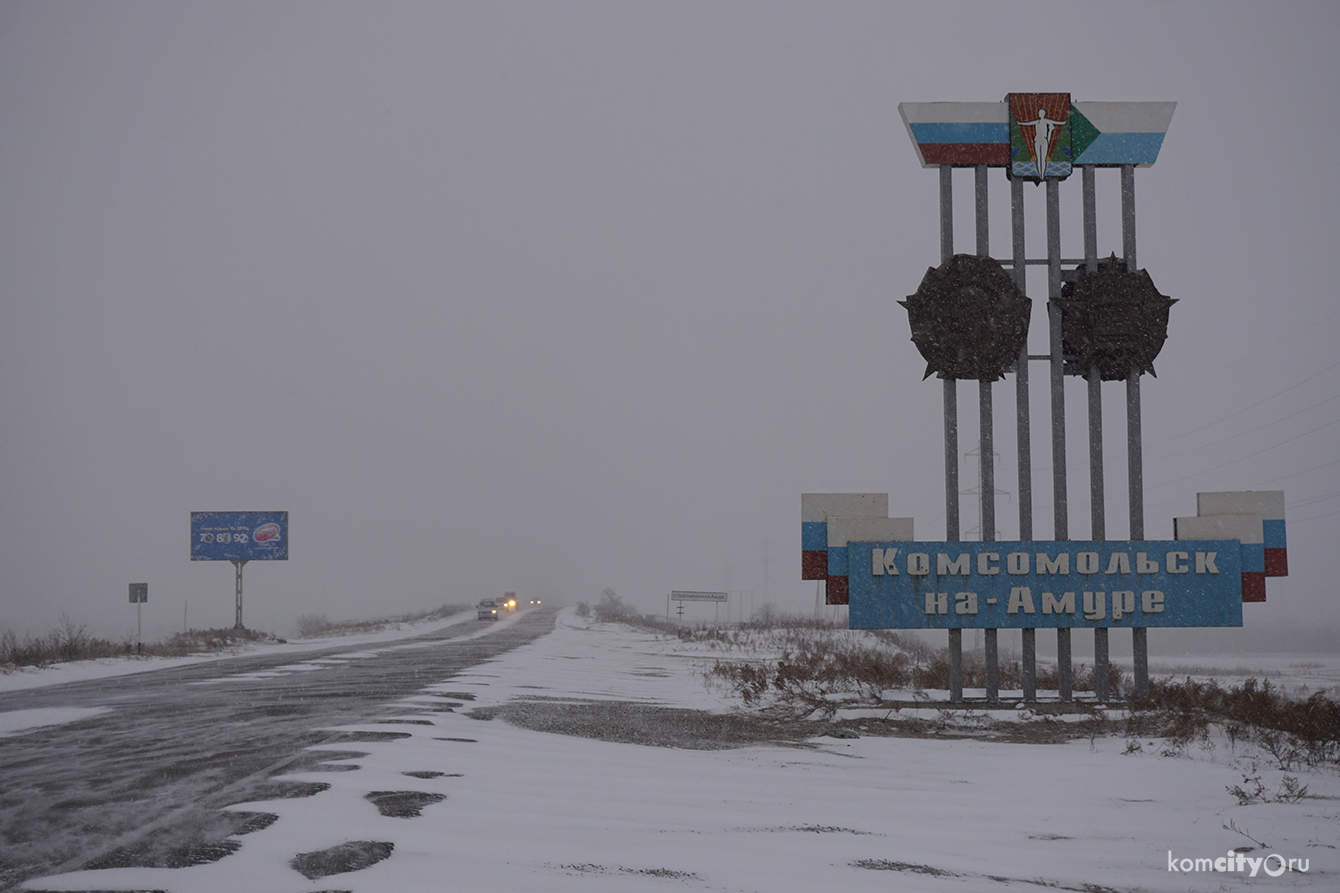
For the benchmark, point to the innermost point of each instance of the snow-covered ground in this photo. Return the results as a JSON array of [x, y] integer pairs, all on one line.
[[464, 803]]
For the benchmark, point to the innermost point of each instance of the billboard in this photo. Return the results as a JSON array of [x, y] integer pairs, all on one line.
[[239, 536]]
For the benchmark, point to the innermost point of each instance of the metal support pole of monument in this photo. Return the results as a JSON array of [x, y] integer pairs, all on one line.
[[1099, 531], [951, 431], [991, 653], [1024, 439], [1097, 493], [1135, 473], [238, 565], [1061, 518]]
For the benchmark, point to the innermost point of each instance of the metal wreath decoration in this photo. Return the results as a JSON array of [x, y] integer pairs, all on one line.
[[1114, 319], [969, 319]]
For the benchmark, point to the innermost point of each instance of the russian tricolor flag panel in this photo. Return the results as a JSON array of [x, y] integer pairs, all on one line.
[[1269, 504], [1246, 529], [815, 509], [1255, 518], [842, 531], [958, 133]]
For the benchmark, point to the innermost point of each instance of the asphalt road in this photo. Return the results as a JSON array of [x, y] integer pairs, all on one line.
[[143, 782]]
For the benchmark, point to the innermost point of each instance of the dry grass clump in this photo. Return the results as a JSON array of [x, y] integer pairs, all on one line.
[[817, 665], [70, 640], [1293, 732], [312, 626], [66, 641]]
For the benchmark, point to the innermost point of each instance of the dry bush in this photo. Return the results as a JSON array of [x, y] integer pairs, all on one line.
[[814, 667], [69, 640], [1293, 732], [66, 641], [821, 662], [310, 625]]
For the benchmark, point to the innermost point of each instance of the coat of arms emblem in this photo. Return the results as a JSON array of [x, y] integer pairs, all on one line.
[[1040, 136]]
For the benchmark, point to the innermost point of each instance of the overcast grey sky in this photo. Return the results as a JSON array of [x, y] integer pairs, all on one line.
[[552, 297]]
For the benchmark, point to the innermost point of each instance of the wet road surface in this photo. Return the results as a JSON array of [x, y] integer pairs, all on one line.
[[143, 782]]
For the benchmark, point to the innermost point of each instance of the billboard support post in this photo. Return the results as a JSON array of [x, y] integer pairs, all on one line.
[[238, 564]]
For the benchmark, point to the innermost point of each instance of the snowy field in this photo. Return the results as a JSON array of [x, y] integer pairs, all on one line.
[[473, 804], [1298, 673]]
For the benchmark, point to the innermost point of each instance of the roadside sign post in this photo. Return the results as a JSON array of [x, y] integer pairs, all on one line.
[[239, 537], [716, 598], [139, 594]]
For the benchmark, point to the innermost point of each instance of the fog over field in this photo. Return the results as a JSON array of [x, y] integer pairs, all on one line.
[[558, 297]]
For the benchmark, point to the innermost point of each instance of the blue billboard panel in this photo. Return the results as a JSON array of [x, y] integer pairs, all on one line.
[[1049, 584], [239, 536]]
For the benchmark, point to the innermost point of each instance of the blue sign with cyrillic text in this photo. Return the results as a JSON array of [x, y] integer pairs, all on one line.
[[1027, 585]]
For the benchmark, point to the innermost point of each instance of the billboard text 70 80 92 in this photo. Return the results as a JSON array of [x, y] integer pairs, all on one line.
[[239, 536]]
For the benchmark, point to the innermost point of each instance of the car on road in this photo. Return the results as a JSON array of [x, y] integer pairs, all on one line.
[[535, 601], [488, 609]]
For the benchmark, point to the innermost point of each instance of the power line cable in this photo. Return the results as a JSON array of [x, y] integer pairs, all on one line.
[[1249, 455], [1295, 474], [1313, 500], [1255, 484], [1245, 408], [1250, 430], [1313, 518], [1239, 359]]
